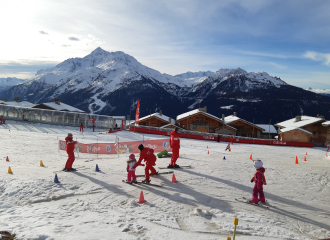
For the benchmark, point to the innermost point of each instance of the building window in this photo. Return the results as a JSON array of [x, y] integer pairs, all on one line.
[[183, 127], [154, 124], [145, 124], [201, 119], [197, 119]]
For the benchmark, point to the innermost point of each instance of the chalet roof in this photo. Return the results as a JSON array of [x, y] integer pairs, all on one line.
[[266, 127], [327, 123], [157, 115], [19, 104], [61, 107], [196, 111], [305, 120], [290, 129], [231, 119]]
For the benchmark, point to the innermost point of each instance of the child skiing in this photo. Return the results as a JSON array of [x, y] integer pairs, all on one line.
[[149, 157], [259, 179], [228, 147], [131, 178]]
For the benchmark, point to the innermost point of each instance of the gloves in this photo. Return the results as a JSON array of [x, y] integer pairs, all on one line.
[[251, 180]]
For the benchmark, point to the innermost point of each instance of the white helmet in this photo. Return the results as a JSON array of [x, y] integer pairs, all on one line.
[[258, 163]]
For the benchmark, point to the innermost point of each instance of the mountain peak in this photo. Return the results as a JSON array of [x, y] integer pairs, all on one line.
[[98, 51]]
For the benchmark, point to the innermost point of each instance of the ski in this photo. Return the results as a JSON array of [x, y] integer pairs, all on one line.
[[253, 204], [139, 183], [158, 173], [79, 167], [175, 168]]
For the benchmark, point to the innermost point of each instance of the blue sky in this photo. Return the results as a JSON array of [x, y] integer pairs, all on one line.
[[287, 39]]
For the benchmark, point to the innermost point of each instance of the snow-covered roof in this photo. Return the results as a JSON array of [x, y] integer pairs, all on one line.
[[20, 104], [327, 123], [266, 127], [62, 107], [162, 117], [305, 120], [290, 129], [230, 119], [193, 112]]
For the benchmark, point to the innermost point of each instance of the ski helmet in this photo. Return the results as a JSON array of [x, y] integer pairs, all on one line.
[[141, 147], [69, 134], [258, 163]]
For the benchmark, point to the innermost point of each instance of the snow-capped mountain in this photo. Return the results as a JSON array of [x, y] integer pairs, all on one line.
[[112, 82], [6, 83]]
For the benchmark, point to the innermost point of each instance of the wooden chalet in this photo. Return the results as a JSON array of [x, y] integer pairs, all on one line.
[[243, 127], [305, 129], [156, 120], [201, 121], [58, 106]]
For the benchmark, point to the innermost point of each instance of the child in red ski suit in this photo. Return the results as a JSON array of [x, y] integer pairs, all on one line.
[[69, 149], [259, 179], [175, 145], [149, 157], [130, 170]]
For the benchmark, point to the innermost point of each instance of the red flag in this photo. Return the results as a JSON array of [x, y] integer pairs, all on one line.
[[137, 114]]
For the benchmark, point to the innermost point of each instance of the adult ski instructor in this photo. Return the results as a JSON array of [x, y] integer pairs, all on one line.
[[69, 149], [149, 157], [175, 145]]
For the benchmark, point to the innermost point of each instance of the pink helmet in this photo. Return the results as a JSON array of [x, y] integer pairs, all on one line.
[[132, 156]]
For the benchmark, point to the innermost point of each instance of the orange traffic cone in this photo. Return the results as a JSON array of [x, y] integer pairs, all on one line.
[[306, 153], [174, 179], [305, 159], [207, 146], [326, 155], [9, 170], [41, 164], [208, 152], [7, 159], [141, 200], [251, 156], [297, 160], [229, 149]]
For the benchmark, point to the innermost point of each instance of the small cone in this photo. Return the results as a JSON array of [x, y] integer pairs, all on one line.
[[326, 155], [297, 160], [208, 152], [7, 159], [305, 159], [9, 170], [207, 146], [56, 179], [251, 156], [174, 179], [97, 168], [306, 153], [41, 163], [229, 149], [141, 200], [224, 158]]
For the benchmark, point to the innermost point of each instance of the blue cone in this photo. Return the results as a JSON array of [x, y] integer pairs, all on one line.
[[56, 179], [97, 168], [224, 158]]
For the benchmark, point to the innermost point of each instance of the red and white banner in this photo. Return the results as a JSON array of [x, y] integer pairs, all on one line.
[[137, 114], [121, 148]]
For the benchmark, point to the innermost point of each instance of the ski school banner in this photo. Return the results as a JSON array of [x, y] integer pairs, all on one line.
[[118, 148]]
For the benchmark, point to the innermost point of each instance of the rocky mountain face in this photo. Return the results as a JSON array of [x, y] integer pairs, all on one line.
[[6, 83], [113, 82]]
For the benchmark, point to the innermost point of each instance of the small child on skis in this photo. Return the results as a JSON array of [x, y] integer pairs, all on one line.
[[259, 179], [228, 147], [131, 178]]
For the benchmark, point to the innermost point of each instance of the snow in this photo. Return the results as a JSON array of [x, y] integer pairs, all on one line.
[[190, 113], [289, 129], [62, 107], [163, 117], [97, 205], [227, 107], [6, 83], [266, 127], [319, 91], [305, 120], [327, 123]]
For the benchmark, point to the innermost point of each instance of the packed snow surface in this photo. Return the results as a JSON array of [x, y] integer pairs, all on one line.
[[98, 205]]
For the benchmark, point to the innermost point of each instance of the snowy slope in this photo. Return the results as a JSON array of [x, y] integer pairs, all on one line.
[[97, 205], [325, 92], [6, 83]]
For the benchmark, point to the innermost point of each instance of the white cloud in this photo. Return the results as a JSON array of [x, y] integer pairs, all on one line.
[[320, 57]]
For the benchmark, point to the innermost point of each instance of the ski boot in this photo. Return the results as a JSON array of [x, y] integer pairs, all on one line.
[[146, 181], [250, 201], [129, 182], [134, 181], [153, 173], [65, 169], [170, 166], [176, 166]]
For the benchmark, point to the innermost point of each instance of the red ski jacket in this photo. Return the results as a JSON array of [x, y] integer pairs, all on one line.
[[174, 140], [259, 178], [149, 157], [69, 144]]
